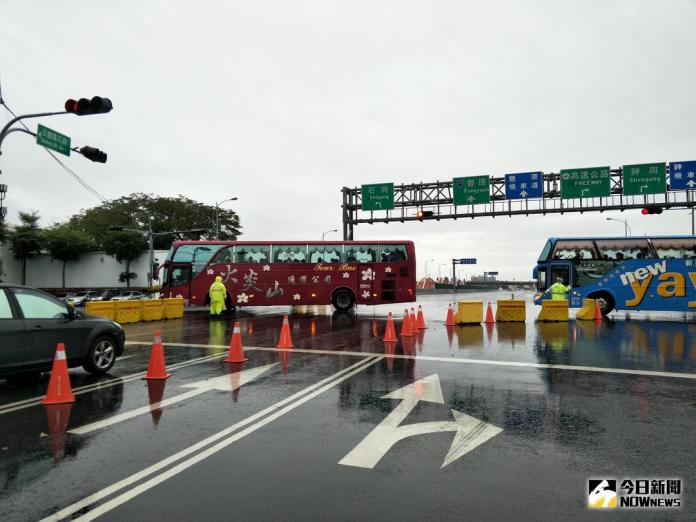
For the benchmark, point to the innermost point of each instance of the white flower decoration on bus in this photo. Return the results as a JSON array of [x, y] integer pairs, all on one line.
[[210, 271], [366, 295], [242, 298], [266, 268], [296, 297], [368, 275], [388, 270], [346, 275]]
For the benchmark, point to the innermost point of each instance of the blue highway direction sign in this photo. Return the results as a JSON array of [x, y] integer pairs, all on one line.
[[467, 261], [682, 175], [524, 185]]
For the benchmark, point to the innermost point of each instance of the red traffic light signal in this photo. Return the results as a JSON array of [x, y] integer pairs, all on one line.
[[651, 210], [83, 106], [422, 214]]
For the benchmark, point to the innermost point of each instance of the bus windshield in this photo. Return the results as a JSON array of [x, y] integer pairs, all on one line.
[[197, 255]]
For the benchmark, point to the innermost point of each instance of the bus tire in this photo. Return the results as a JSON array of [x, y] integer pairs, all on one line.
[[343, 300], [605, 300]]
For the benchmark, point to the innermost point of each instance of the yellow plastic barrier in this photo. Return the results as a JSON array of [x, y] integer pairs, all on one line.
[[128, 311], [153, 310], [510, 310], [553, 310], [586, 313], [469, 312], [104, 309], [173, 307]]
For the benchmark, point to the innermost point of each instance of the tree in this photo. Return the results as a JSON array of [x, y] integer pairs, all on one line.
[[66, 244], [135, 211], [125, 247], [26, 239], [3, 231]]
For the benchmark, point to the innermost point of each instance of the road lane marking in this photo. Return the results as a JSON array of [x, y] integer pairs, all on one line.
[[458, 360], [322, 385], [26, 403], [223, 383], [469, 431]]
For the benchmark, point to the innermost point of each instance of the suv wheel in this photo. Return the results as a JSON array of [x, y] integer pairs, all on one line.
[[101, 355]]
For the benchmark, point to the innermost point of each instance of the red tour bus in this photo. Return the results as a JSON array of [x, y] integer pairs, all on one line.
[[259, 273]]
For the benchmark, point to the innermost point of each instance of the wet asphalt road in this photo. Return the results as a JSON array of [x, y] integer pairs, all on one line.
[[289, 434]]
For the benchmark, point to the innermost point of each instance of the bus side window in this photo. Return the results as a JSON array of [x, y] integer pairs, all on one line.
[[351, 255], [317, 254], [281, 254], [224, 256], [298, 254], [258, 254], [241, 254]]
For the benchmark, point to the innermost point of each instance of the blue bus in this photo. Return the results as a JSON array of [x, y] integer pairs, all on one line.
[[622, 273]]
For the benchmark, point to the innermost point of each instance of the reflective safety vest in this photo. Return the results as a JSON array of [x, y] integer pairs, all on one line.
[[558, 291]]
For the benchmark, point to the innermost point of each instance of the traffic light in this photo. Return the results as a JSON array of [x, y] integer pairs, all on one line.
[[83, 106], [94, 154], [422, 214], [651, 210]]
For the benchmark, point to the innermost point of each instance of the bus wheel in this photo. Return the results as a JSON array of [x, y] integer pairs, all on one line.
[[606, 302], [343, 300]]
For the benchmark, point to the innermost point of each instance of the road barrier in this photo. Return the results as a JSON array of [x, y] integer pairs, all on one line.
[[134, 311], [509, 310], [469, 312], [553, 311], [586, 313], [128, 311], [104, 309]]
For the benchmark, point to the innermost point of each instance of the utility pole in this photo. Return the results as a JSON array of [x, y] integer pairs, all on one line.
[[217, 216]]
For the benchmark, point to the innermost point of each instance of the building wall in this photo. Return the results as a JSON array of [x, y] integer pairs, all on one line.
[[93, 270]]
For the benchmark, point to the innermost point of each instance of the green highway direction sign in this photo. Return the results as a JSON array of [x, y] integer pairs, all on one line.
[[648, 178], [471, 190], [53, 140], [379, 196], [593, 182]]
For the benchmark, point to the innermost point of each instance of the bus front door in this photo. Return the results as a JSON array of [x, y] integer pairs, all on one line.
[[180, 280], [562, 269]]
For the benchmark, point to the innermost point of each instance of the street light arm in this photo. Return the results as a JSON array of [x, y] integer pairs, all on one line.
[[6, 129]]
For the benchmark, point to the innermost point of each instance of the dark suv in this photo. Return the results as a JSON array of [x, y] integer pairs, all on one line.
[[32, 322]]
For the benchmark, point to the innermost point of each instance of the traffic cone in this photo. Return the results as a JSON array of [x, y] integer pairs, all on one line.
[[450, 316], [597, 311], [156, 368], [390, 334], [59, 384], [406, 325], [412, 321], [489, 314], [285, 340], [420, 320], [236, 353]]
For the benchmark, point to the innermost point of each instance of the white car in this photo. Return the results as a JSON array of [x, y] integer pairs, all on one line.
[[128, 295], [80, 299]]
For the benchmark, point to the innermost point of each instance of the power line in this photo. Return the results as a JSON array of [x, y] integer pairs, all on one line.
[[75, 176]]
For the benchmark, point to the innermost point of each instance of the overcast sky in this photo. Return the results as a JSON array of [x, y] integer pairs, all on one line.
[[283, 103]]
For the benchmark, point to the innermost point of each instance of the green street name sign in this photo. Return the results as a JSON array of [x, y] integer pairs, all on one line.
[[471, 190], [379, 196], [648, 178], [53, 140], [593, 182]]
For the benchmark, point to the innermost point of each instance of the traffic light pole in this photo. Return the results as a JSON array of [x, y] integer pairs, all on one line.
[[6, 129]]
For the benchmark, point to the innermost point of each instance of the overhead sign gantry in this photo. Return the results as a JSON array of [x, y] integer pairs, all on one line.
[[590, 189]]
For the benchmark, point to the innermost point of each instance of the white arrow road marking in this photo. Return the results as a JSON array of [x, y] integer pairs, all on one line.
[[469, 431], [223, 383]]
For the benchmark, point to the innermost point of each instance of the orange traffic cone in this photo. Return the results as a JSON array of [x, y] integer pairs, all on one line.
[[412, 323], [489, 314], [156, 368], [236, 353], [420, 320], [406, 325], [450, 316], [597, 311], [59, 384], [390, 334], [285, 340]]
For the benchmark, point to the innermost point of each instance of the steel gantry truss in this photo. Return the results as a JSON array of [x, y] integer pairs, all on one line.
[[437, 197]]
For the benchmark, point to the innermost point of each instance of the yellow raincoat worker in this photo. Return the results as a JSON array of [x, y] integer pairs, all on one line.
[[217, 294], [558, 290]]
